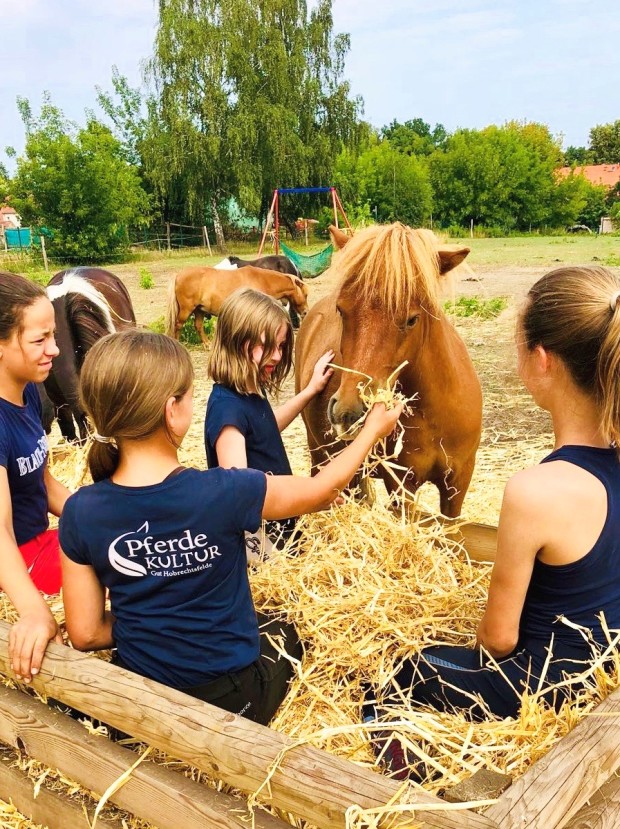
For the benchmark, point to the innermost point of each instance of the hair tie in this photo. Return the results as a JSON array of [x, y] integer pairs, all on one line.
[[613, 302], [101, 438]]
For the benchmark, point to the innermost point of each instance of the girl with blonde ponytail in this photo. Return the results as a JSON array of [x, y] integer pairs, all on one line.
[[557, 570], [168, 542]]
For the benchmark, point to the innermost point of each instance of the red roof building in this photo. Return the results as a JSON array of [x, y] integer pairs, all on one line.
[[9, 218], [606, 174]]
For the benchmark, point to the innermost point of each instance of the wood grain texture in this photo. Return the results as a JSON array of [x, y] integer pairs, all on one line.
[[307, 782], [603, 810], [48, 808], [555, 788], [164, 798]]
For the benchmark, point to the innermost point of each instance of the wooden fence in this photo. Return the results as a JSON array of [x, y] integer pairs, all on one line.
[[573, 786]]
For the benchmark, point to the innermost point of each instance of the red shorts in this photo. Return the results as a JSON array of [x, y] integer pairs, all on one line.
[[42, 557]]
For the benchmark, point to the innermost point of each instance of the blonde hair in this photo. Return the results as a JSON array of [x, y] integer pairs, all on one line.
[[125, 382], [574, 312], [247, 319]]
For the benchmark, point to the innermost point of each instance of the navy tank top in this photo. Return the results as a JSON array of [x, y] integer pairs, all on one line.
[[581, 590]]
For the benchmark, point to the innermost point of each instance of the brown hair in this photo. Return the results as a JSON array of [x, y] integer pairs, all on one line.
[[245, 318], [16, 294], [574, 312], [125, 382]]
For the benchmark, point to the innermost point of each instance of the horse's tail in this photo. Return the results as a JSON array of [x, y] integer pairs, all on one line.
[[172, 308]]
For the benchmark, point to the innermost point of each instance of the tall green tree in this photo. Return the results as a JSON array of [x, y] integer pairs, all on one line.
[[395, 186], [415, 136], [248, 96], [605, 143], [78, 184], [499, 176]]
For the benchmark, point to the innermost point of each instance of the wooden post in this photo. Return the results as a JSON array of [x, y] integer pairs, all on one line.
[[206, 239], [341, 208], [268, 222], [276, 238], [44, 252], [154, 793], [471, 228], [306, 781], [334, 197], [168, 245], [555, 788]]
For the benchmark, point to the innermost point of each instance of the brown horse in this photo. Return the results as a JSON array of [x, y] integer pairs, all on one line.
[[387, 310], [202, 291]]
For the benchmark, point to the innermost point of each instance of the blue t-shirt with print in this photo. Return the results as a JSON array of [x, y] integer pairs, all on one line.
[[23, 452], [173, 558], [253, 416]]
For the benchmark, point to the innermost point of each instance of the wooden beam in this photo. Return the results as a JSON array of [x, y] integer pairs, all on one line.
[[479, 540], [301, 779], [555, 788], [163, 797], [603, 810], [47, 808]]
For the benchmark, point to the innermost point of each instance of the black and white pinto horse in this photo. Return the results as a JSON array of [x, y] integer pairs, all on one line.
[[88, 304], [274, 262]]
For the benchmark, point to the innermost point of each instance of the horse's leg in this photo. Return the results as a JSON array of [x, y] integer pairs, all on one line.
[[294, 316], [66, 423], [199, 323], [453, 488]]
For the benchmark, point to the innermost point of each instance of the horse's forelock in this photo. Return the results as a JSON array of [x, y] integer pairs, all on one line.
[[395, 263]]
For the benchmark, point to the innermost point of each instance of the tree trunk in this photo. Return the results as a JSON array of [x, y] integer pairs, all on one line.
[[217, 226]]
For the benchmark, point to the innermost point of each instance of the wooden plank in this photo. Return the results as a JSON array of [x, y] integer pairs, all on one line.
[[156, 794], [555, 788], [603, 810], [479, 540], [303, 780], [47, 809]]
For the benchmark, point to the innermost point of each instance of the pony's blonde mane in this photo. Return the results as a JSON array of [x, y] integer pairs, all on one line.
[[393, 263]]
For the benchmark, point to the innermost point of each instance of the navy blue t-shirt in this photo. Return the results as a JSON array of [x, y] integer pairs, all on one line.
[[23, 452], [173, 557], [581, 590], [253, 416]]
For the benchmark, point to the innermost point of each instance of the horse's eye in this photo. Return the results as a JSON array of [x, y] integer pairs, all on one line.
[[412, 320]]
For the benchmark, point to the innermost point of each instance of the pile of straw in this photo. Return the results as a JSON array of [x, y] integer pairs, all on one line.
[[367, 590]]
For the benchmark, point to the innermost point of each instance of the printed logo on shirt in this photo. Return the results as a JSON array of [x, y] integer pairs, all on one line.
[[34, 461], [138, 554]]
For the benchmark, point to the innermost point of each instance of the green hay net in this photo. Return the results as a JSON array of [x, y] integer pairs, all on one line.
[[310, 266]]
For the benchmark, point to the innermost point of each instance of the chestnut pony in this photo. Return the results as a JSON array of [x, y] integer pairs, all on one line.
[[202, 291], [386, 310]]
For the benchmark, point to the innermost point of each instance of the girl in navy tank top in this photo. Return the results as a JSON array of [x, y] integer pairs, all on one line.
[[555, 585]]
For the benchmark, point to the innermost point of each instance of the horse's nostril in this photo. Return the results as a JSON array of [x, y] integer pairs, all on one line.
[[330, 409]]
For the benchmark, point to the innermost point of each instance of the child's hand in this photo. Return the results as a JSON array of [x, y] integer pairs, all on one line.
[[322, 373], [381, 420]]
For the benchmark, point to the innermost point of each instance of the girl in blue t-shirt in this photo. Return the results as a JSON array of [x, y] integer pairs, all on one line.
[[29, 554], [557, 568], [251, 357], [168, 542]]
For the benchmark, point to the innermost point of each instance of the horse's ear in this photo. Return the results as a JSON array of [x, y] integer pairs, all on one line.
[[450, 256], [339, 239]]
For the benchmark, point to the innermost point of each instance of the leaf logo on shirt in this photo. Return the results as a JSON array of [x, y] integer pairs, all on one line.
[[125, 565]]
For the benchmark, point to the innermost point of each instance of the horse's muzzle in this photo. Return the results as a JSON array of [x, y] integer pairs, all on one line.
[[346, 420]]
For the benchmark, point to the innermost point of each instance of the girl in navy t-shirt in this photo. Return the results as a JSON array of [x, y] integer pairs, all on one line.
[[252, 356], [29, 554], [168, 542]]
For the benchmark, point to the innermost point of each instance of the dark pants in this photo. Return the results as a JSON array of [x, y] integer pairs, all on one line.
[[256, 692], [448, 678]]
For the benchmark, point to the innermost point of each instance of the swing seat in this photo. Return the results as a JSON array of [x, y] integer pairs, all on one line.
[[309, 266]]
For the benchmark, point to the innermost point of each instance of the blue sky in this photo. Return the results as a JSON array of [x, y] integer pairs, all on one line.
[[462, 64]]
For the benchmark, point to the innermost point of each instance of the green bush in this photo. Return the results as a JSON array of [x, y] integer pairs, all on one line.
[[473, 306], [189, 335], [146, 279]]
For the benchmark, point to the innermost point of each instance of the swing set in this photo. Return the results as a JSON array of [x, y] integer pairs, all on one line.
[[307, 265]]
